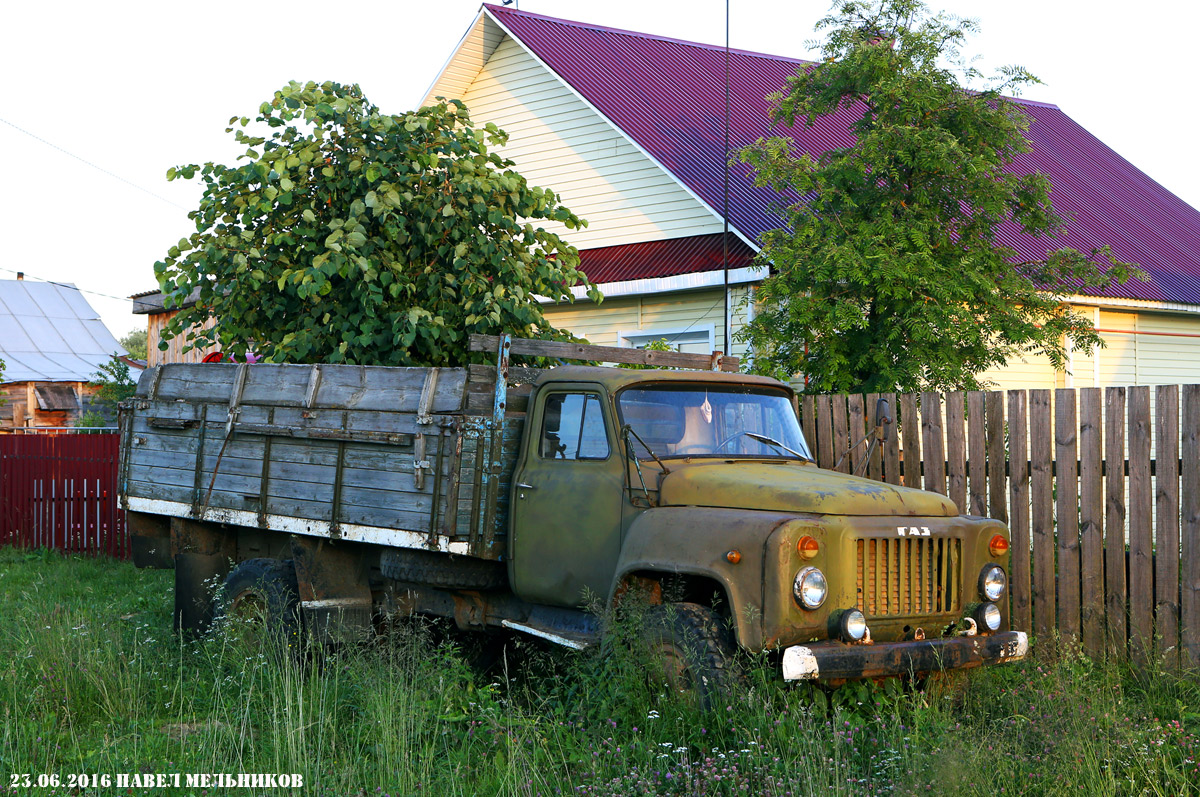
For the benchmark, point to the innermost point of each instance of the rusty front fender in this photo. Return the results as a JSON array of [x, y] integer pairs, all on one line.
[[697, 542]]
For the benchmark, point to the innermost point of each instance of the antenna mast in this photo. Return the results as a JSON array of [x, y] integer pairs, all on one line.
[[725, 209]]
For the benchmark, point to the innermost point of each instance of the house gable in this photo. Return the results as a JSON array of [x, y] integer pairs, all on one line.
[[560, 142]]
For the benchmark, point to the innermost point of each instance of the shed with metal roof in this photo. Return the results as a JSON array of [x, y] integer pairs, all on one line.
[[52, 344]]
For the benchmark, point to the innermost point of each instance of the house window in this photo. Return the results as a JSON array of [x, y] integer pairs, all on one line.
[[690, 340]]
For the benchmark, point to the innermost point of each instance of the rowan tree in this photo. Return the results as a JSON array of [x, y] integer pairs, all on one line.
[[889, 273], [350, 235]]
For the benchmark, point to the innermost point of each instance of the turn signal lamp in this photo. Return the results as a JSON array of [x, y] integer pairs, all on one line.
[[807, 547], [998, 546], [734, 556]]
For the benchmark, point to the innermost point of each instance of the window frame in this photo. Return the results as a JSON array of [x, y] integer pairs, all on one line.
[[566, 390]]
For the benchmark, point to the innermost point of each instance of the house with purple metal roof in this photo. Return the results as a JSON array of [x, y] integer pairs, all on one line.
[[629, 129]]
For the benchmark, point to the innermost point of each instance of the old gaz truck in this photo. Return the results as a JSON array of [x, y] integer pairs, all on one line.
[[503, 498]]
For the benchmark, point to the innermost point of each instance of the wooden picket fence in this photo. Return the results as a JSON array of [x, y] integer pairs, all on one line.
[[1102, 496]]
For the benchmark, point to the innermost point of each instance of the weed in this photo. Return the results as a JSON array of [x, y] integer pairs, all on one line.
[[92, 680]]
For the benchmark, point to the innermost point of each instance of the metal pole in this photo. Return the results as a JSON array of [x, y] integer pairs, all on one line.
[[725, 209]]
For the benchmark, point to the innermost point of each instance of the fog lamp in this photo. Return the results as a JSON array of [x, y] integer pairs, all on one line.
[[853, 625], [992, 582], [988, 616], [810, 588]]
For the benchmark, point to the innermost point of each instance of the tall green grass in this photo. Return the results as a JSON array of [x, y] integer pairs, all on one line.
[[93, 681]]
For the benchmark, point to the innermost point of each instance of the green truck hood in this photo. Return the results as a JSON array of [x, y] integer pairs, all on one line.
[[792, 487]]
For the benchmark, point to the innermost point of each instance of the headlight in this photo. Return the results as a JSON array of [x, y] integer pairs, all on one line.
[[992, 582], [853, 625], [988, 616], [810, 588]]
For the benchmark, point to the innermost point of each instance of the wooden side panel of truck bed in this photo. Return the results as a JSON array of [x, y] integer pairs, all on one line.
[[409, 457]]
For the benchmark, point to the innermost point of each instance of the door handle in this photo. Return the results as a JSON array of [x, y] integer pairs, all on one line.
[[524, 486]]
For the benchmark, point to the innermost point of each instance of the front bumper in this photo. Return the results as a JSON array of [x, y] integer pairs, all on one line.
[[836, 662]]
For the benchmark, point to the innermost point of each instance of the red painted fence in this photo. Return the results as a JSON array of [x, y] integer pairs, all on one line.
[[60, 491]]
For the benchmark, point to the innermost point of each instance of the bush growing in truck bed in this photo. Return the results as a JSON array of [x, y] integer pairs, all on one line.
[[92, 680]]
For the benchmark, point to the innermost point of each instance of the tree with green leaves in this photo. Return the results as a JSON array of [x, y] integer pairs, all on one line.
[[135, 343], [351, 235], [114, 383], [889, 273]]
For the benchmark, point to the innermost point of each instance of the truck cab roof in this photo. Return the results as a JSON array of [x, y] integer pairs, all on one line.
[[616, 378]]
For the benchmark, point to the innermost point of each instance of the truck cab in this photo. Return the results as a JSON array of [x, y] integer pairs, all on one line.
[[702, 484]]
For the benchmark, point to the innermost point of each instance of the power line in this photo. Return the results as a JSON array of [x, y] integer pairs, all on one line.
[[94, 166], [70, 286]]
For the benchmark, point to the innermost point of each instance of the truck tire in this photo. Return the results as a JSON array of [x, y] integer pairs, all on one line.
[[263, 591], [692, 652], [448, 571]]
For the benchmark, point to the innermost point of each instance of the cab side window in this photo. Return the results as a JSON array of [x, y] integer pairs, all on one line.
[[573, 427]]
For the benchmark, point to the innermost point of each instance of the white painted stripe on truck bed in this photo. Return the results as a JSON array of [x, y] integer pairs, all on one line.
[[397, 538]]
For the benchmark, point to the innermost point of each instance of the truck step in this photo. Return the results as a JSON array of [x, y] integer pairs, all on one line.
[[572, 629]]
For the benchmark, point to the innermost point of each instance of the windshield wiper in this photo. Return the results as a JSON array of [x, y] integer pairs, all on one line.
[[762, 438]]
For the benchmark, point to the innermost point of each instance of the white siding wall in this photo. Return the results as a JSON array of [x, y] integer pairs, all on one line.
[[668, 314], [1142, 347], [1133, 354], [557, 142]]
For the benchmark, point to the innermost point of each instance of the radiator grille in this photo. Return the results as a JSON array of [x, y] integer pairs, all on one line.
[[909, 576]]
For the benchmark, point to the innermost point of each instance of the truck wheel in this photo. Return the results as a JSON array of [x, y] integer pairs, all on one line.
[[436, 569], [693, 652], [263, 593]]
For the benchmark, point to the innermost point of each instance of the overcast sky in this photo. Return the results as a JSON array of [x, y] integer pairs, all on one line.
[[134, 88]]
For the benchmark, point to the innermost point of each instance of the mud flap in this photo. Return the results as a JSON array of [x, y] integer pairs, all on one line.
[[197, 577], [150, 540], [202, 554], [335, 595]]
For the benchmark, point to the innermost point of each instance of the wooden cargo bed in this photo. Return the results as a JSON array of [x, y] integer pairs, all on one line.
[[410, 457]]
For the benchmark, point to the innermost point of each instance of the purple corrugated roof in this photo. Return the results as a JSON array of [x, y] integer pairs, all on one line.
[[669, 97]]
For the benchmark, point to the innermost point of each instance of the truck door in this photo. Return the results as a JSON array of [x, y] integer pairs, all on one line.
[[566, 499]]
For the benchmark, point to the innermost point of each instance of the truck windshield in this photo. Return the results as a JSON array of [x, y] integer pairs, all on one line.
[[717, 420]]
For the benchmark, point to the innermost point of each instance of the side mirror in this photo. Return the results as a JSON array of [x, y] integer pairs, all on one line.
[[883, 421]]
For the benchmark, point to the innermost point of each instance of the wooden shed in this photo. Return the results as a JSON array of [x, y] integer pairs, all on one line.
[[151, 305], [52, 344]]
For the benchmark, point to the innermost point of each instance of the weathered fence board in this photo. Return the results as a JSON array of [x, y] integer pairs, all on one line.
[[910, 425], [1140, 510], [1166, 504], [875, 466], [1067, 496], [1114, 517], [841, 435], [1091, 519], [1019, 550], [956, 451], [1189, 491], [826, 457], [891, 447], [997, 470], [1042, 502], [857, 433], [976, 454], [932, 442], [808, 417]]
